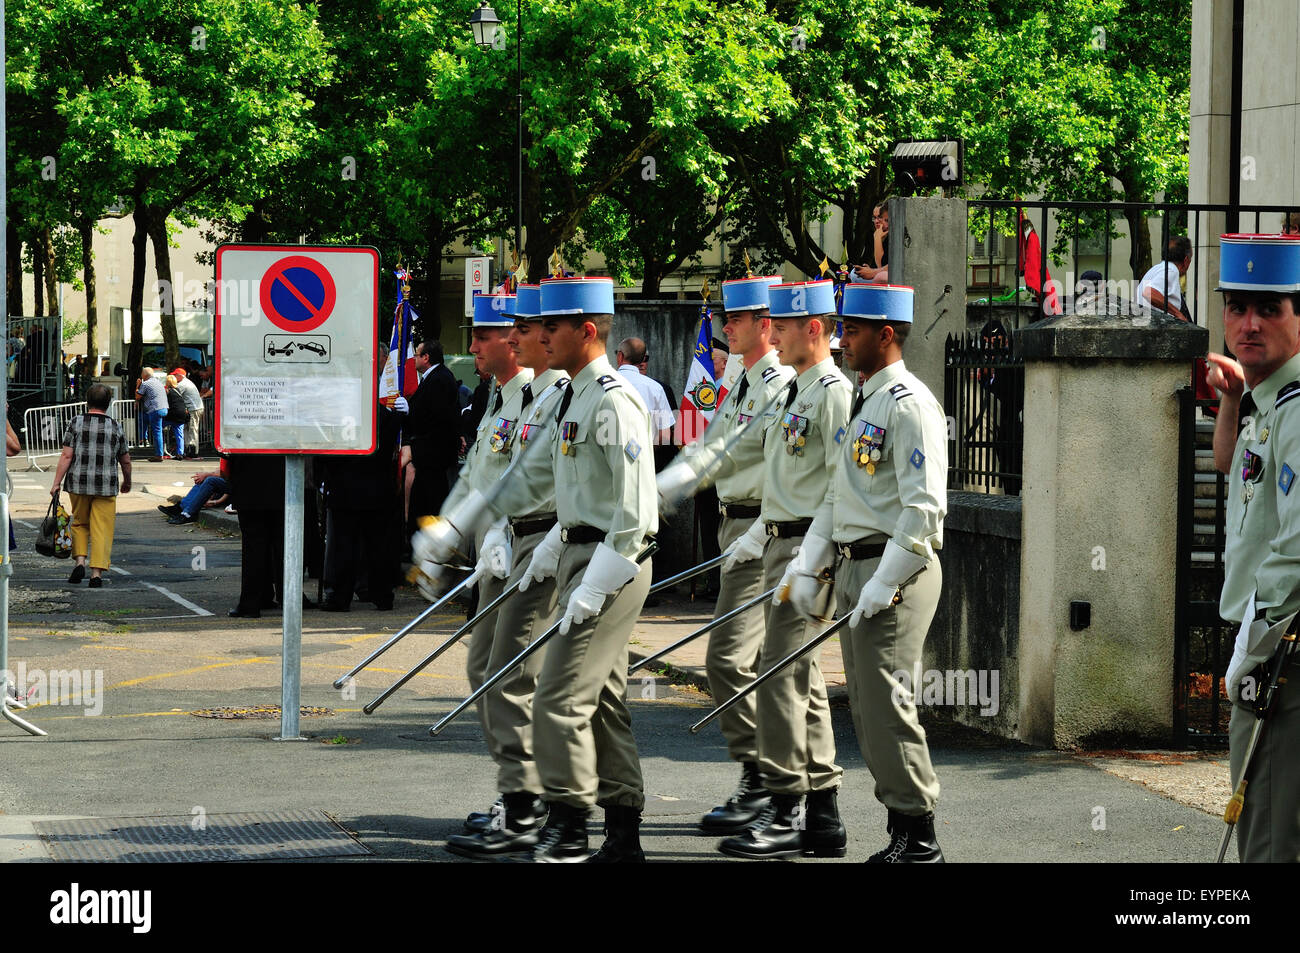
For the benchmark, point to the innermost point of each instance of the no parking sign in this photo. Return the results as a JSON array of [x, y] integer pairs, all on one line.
[[296, 328]]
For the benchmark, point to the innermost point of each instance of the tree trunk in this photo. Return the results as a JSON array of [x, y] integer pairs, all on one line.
[[163, 266], [1139, 254], [39, 265], [139, 248], [86, 228], [14, 268], [51, 275], [652, 277]]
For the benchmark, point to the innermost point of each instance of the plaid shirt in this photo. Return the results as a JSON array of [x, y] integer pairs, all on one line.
[[97, 442]]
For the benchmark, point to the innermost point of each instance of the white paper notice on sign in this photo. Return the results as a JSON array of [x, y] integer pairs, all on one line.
[[297, 328]]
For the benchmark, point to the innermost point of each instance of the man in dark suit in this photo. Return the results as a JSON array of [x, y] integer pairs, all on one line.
[[431, 434]]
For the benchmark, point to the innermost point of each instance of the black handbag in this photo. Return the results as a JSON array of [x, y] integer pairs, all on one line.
[[52, 539]]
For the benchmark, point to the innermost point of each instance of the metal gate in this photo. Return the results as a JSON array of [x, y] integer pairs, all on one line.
[[1202, 640]]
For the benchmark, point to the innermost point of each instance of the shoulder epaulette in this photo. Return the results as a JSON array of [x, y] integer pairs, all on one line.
[[1288, 392], [828, 379], [608, 382], [899, 391], [770, 373]]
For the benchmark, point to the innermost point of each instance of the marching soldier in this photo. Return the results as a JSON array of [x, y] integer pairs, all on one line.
[[1257, 441], [883, 518], [524, 414], [796, 747], [603, 475], [738, 471]]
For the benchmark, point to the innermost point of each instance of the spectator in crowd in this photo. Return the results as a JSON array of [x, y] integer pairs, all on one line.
[[1159, 289], [210, 489], [194, 409], [256, 484], [93, 448], [1291, 223], [473, 409], [1002, 408], [631, 355], [720, 354], [177, 417], [1089, 297], [12, 448], [152, 392], [205, 381], [431, 433], [877, 269]]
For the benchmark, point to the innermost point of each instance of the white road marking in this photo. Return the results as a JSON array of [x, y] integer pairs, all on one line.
[[180, 600]]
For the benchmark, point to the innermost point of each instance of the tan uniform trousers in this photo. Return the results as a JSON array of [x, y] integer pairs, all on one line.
[[796, 746], [1269, 829], [508, 708], [582, 731], [889, 732], [91, 528], [732, 658], [480, 638]]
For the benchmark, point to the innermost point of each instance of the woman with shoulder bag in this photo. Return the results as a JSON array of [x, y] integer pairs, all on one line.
[[93, 448]]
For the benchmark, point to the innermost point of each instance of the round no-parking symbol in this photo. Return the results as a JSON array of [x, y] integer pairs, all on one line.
[[297, 294]]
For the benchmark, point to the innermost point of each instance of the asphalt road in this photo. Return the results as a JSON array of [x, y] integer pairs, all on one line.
[[158, 638]]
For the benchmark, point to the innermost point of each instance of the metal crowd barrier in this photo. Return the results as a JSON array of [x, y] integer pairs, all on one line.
[[43, 429]]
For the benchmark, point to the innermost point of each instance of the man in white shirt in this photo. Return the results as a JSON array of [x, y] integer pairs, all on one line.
[[630, 355], [1159, 289]]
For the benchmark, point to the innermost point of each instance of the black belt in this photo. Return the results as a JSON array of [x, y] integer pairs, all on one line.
[[530, 527], [790, 530], [582, 534], [740, 511], [861, 550]]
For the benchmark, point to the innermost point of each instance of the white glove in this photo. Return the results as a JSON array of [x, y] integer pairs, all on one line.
[[496, 552], [432, 579], [1257, 640], [439, 540], [546, 559], [676, 483], [897, 566], [747, 546], [800, 585], [607, 573], [401, 406]]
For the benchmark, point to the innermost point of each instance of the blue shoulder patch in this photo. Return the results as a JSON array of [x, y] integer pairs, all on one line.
[[1284, 482], [917, 458]]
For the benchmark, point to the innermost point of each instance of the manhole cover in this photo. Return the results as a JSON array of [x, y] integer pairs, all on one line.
[[265, 712], [275, 835]]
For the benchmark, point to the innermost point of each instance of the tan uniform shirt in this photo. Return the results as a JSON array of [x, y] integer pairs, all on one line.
[[529, 488], [1262, 553], [602, 463], [799, 448], [891, 472], [491, 453], [738, 470]]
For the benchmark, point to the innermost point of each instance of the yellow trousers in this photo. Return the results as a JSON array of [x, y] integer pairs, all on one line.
[[92, 528]]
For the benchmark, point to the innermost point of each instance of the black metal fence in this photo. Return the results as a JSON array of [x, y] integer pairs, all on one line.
[[984, 399], [1079, 236], [1202, 640]]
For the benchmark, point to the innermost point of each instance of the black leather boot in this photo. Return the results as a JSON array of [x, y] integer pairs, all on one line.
[[911, 841], [824, 834], [775, 833], [515, 830], [622, 838], [743, 808], [564, 838], [480, 822]]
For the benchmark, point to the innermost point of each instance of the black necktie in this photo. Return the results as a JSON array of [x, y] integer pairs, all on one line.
[[496, 404], [564, 404], [528, 397], [740, 391], [1247, 408], [794, 392], [857, 404]]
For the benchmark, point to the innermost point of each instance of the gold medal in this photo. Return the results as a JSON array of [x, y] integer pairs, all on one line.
[[863, 459], [871, 469], [564, 448], [801, 441]]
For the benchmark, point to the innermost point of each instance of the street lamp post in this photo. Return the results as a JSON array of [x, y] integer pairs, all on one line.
[[488, 35]]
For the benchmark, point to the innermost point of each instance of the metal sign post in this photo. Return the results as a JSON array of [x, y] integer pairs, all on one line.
[[296, 328]]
